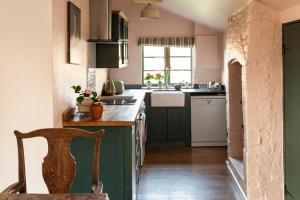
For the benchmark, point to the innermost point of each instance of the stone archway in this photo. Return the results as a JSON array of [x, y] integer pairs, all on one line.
[[235, 114], [254, 39]]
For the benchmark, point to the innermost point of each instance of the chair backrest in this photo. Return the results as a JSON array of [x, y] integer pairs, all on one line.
[[59, 165]]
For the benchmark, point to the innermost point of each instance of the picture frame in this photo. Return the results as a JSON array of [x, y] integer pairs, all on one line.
[[74, 34]]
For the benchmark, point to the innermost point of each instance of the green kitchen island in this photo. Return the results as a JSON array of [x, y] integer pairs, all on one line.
[[119, 157]]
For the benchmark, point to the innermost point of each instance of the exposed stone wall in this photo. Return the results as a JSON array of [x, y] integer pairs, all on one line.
[[235, 103], [254, 40]]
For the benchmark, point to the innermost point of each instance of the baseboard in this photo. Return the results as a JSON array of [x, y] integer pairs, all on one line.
[[239, 193]]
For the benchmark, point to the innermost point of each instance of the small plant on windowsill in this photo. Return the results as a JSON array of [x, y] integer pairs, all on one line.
[[148, 78], [88, 101], [159, 78]]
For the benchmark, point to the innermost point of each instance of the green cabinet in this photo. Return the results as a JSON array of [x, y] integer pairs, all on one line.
[[176, 124], [111, 55], [292, 109], [166, 126], [157, 124], [117, 162], [119, 26], [114, 53]]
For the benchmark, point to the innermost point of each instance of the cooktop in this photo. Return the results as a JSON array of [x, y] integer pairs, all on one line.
[[118, 101]]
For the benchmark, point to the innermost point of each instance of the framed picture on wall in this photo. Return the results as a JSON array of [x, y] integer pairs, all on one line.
[[74, 34]]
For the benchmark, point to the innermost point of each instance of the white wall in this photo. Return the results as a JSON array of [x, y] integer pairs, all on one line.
[[26, 83], [65, 75], [210, 69], [291, 14], [168, 25]]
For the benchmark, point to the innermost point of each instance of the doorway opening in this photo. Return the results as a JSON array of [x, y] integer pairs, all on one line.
[[291, 69], [236, 123]]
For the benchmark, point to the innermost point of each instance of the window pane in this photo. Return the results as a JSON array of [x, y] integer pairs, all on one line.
[[180, 51], [180, 76], [154, 51], [153, 73], [181, 63], [154, 64]]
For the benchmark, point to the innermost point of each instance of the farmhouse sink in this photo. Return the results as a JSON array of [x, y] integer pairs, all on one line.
[[166, 90], [164, 98]]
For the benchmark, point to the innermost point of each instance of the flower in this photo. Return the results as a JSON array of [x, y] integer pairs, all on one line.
[[149, 77], [159, 77], [88, 92], [85, 94]]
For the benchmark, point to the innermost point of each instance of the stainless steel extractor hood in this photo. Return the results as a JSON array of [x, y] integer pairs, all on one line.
[[100, 20]]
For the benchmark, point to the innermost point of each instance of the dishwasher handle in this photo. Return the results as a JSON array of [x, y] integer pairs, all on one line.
[[209, 101]]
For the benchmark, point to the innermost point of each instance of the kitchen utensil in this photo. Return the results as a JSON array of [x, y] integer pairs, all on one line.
[[109, 88], [119, 85]]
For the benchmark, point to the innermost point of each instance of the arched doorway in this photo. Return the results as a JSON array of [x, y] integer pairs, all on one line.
[[236, 122]]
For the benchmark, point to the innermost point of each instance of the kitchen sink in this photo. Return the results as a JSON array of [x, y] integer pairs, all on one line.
[[166, 89], [167, 98]]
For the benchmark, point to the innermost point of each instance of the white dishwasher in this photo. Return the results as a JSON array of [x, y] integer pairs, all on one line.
[[208, 118]]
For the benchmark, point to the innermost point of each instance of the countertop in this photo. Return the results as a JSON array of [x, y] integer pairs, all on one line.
[[125, 115], [113, 115], [201, 91]]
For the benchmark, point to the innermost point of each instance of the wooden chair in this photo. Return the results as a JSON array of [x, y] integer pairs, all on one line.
[[59, 166]]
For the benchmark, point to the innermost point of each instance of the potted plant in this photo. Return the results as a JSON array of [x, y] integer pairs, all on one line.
[[83, 101], [148, 78], [159, 78], [96, 107], [88, 101]]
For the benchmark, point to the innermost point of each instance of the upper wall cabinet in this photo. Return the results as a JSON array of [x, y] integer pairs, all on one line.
[[114, 53], [119, 26]]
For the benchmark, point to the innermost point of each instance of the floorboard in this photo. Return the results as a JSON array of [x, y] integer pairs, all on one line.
[[185, 174]]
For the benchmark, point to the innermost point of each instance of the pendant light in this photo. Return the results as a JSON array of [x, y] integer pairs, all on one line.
[[149, 12]]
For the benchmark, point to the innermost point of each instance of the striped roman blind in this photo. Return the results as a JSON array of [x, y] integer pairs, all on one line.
[[167, 41]]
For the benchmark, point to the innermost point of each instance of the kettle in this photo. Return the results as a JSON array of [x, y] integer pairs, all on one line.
[[109, 88]]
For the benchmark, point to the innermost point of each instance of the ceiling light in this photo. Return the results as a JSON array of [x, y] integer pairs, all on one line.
[[149, 12]]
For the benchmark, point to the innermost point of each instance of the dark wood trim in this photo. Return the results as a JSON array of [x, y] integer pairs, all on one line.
[[292, 22]]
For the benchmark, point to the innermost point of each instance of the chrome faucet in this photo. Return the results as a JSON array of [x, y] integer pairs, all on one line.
[[167, 77]]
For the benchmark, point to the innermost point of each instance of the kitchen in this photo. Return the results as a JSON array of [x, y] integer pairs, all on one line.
[[182, 112], [172, 108]]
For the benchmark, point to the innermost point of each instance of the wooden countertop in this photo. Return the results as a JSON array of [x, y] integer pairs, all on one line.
[[113, 115]]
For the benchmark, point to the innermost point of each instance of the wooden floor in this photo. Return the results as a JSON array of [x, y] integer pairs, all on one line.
[[185, 174]]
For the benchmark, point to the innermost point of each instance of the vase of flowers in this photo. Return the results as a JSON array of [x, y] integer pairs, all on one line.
[[88, 101], [159, 78], [148, 78], [84, 100]]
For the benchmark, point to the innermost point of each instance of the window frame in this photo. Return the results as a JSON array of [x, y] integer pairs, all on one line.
[[167, 59]]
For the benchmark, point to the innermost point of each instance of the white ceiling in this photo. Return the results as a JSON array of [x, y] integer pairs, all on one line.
[[215, 13]]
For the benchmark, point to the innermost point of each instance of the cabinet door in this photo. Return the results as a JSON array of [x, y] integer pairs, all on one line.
[[116, 27], [157, 124], [292, 110], [176, 124], [125, 53], [108, 55]]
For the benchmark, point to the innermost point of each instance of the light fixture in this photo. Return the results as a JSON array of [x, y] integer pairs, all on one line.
[[149, 12]]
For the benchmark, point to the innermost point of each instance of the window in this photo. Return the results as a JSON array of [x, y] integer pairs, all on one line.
[[178, 60]]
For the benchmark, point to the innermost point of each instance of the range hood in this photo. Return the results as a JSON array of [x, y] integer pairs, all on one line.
[[100, 20]]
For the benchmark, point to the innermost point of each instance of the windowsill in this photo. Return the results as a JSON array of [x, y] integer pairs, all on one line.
[[163, 88]]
